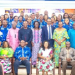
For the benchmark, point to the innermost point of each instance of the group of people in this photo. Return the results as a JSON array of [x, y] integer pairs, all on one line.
[[37, 35]]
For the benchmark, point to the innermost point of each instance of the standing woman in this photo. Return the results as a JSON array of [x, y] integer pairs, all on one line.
[[60, 35], [5, 54], [45, 54], [36, 41]]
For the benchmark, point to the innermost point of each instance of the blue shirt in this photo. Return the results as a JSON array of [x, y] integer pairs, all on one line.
[[30, 26], [4, 31], [1, 37], [22, 52]]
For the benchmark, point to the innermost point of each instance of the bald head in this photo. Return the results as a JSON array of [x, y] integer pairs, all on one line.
[[14, 24]]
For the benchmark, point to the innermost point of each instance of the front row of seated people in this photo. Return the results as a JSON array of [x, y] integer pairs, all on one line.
[[23, 54]]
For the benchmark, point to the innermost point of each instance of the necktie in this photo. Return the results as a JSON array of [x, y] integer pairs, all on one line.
[[49, 33]]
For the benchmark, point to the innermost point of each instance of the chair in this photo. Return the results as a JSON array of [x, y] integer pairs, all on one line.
[[69, 67], [22, 67], [37, 72]]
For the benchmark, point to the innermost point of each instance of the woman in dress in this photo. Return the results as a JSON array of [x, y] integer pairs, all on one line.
[[36, 41], [45, 54], [5, 54], [60, 35]]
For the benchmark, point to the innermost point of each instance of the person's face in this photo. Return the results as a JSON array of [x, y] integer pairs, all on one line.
[[25, 24], [5, 45], [59, 18], [11, 15], [4, 22], [6, 16], [41, 17], [2, 18], [26, 17], [52, 20], [66, 20], [73, 17], [66, 16], [45, 17], [36, 25], [22, 43], [68, 45], [21, 14], [70, 15], [14, 25], [37, 14], [16, 19], [49, 21], [53, 14], [20, 18], [33, 16], [74, 26], [46, 44], [45, 12], [29, 20], [60, 24], [0, 23]]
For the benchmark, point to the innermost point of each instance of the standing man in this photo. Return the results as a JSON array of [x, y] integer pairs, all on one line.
[[47, 33], [25, 34], [12, 36]]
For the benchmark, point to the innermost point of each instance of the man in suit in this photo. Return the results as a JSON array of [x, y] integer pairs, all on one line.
[[68, 57], [47, 33]]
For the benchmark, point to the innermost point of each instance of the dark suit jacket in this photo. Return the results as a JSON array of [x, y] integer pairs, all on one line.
[[45, 33]]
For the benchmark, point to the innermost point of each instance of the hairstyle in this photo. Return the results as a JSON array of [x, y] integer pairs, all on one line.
[[4, 43], [43, 45], [20, 16], [1, 22], [37, 22], [15, 16], [64, 15]]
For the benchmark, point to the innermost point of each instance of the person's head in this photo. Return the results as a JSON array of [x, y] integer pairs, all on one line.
[[5, 44], [20, 18], [65, 15], [68, 44], [6, 16], [22, 14], [29, 20], [25, 23], [74, 26], [41, 17], [45, 17], [46, 12], [59, 17], [52, 19], [70, 15], [49, 21], [45, 45], [16, 18], [33, 16], [26, 17], [67, 20], [11, 14], [14, 24], [0, 23], [22, 43], [37, 14], [73, 17], [2, 17], [60, 24], [36, 24], [53, 14], [5, 23]]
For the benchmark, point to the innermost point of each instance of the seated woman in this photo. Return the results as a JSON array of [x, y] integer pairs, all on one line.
[[45, 63], [5, 54]]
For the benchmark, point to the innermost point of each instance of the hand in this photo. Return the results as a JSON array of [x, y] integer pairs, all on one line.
[[68, 59], [48, 58], [24, 58], [21, 58], [59, 43], [26, 43], [32, 44]]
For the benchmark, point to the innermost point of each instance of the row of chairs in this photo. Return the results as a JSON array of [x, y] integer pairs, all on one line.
[[37, 72]]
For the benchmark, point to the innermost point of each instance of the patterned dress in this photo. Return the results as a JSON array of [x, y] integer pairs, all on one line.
[[6, 62], [36, 40], [59, 35], [44, 65]]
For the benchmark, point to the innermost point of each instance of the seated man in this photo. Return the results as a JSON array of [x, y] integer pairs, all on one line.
[[22, 55], [68, 57]]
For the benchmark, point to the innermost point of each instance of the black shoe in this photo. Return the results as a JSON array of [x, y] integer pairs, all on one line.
[[27, 74], [34, 66], [16, 74]]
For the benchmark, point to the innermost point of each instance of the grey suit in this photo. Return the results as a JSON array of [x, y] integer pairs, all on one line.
[[63, 55]]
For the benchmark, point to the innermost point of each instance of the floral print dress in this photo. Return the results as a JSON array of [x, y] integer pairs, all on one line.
[[44, 65]]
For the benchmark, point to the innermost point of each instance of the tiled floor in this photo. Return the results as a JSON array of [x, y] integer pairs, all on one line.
[[23, 72]]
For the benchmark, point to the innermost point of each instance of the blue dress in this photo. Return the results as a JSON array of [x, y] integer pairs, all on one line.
[[71, 34]]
